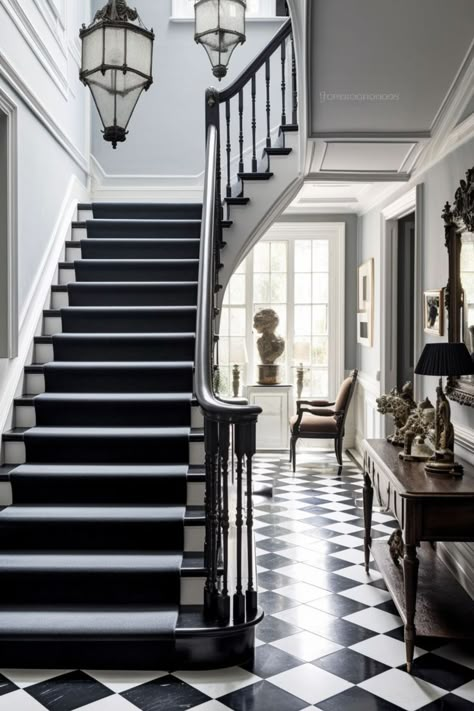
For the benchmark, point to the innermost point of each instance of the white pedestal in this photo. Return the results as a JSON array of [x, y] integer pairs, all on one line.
[[273, 429]]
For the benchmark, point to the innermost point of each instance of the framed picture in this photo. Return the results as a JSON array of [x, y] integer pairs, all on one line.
[[364, 329], [366, 286], [433, 308], [365, 304]]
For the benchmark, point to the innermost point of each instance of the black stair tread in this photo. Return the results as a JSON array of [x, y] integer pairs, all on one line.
[[90, 561], [90, 285], [17, 433], [281, 151], [5, 471], [38, 368], [237, 200], [86, 622], [136, 222], [34, 514], [255, 176], [289, 127], [116, 470], [133, 262], [160, 397], [115, 336], [227, 223], [84, 206], [59, 288], [56, 313]]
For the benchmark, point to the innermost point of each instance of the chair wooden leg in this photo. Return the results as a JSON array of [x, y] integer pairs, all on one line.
[[338, 449], [293, 452]]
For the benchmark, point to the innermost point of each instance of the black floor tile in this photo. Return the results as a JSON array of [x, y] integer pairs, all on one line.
[[271, 580], [262, 696], [441, 672], [272, 544], [450, 702], [356, 699], [272, 602], [272, 561], [338, 605], [6, 686], [351, 666], [165, 694], [270, 660], [271, 629], [68, 691]]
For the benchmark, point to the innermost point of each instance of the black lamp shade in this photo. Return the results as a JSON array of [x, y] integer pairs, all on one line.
[[445, 359]]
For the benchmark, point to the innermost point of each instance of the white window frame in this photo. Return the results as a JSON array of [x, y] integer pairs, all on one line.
[[184, 10], [334, 232]]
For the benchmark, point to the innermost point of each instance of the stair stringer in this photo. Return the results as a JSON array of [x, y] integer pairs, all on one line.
[[268, 199]]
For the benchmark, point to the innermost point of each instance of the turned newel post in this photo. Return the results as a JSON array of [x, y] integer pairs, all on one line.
[[211, 510], [223, 599]]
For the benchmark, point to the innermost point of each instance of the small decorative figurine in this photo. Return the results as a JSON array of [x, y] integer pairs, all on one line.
[[397, 547], [418, 428], [399, 405], [270, 346]]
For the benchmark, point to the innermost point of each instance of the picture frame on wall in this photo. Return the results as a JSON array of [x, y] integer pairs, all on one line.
[[364, 329], [433, 312], [365, 303]]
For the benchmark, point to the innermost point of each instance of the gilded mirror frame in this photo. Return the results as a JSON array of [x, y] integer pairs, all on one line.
[[458, 219]]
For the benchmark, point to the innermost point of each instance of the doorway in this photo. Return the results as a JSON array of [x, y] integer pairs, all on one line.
[[405, 299]]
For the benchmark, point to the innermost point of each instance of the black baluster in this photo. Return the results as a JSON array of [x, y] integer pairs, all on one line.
[[283, 83], [239, 599], [223, 600], [210, 546], [241, 131], [254, 125], [250, 448], [228, 147], [294, 84], [268, 105]]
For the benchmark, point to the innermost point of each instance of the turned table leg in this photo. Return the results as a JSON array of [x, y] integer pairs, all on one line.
[[410, 569], [368, 497]]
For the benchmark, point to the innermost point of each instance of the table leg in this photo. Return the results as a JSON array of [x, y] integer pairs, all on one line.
[[410, 569], [368, 497]]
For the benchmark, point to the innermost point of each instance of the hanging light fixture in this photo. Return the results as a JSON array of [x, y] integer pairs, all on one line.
[[117, 55], [220, 27]]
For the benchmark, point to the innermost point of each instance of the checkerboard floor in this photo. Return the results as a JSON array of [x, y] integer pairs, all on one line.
[[331, 638]]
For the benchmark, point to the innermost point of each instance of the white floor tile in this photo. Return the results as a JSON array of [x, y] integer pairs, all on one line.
[[367, 595], [298, 515], [466, 692], [310, 683], [351, 555], [342, 527], [296, 526], [306, 646], [120, 681], [212, 705], [357, 573], [218, 682], [302, 592], [298, 539], [375, 620], [459, 653], [336, 506], [295, 553], [302, 572], [385, 649], [305, 617], [347, 541], [338, 516], [19, 701], [111, 703], [402, 689]]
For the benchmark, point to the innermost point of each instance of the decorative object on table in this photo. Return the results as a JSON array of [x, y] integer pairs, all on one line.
[[301, 355], [299, 380], [320, 419], [217, 379], [418, 428], [433, 309], [397, 547], [449, 359], [219, 28], [365, 304], [238, 358], [116, 65], [459, 298], [270, 346], [399, 405]]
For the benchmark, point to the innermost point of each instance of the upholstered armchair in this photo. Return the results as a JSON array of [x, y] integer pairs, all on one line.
[[319, 419]]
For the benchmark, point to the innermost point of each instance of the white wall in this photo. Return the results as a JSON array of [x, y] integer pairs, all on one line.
[[39, 67]]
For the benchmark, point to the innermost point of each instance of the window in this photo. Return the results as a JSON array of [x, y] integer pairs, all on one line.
[[184, 9], [297, 270]]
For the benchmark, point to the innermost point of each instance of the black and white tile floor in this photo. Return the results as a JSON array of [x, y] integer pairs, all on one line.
[[331, 638]]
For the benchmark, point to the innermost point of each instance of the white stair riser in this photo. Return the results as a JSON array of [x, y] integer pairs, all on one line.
[[14, 453], [25, 415], [78, 233], [192, 591], [73, 253], [83, 215], [34, 384], [43, 353], [65, 276], [194, 493], [194, 538], [52, 325], [59, 299]]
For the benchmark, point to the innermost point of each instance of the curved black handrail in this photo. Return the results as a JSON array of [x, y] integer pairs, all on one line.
[[258, 62], [210, 404]]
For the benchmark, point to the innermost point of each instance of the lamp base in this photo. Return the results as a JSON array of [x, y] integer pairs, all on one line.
[[443, 468]]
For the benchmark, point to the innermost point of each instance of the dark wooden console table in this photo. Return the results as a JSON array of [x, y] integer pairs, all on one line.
[[429, 599]]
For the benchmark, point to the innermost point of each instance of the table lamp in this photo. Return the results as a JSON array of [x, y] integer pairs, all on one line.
[[238, 357], [449, 359]]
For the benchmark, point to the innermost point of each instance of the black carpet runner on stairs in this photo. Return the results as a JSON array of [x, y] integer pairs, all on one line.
[[91, 549]]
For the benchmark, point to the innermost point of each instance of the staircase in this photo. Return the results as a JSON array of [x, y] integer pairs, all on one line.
[[124, 541], [101, 551]]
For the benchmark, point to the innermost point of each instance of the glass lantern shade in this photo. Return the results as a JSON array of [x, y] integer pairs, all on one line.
[[117, 58], [220, 27]]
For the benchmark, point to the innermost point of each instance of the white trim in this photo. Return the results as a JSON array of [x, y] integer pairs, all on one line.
[[9, 108], [31, 100], [32, 311], [182, 10]]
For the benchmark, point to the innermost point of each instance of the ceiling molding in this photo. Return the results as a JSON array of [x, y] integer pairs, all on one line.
[[372, 136], [359, 176]]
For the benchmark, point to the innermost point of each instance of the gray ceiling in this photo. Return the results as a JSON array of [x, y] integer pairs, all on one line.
[[412, 49]]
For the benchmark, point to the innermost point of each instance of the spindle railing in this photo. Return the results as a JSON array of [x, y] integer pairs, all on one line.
[[230, 427]]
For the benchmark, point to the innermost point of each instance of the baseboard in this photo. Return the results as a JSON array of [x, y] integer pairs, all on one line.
[[32, 311]]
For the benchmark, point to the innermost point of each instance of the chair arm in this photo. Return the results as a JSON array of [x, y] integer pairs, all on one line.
[[313, 403], [321, 411]]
